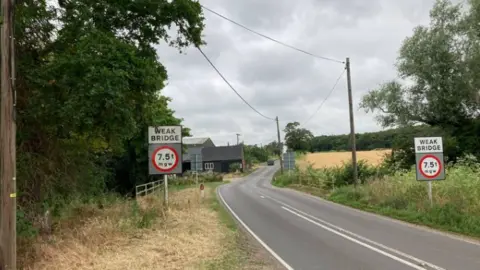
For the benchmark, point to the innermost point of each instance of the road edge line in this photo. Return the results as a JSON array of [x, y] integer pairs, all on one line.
[[275, 255], [356, 241], [357, 236], [425, 228]]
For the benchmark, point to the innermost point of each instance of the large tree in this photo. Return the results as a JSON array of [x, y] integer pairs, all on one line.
[[441, 65], [89, 83], [297, 138]]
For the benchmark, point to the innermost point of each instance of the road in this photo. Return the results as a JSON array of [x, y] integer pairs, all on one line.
[[305, 232]]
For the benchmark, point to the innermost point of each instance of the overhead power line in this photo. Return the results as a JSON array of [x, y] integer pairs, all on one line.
[[231, 87], [272, 39], [325, 99]]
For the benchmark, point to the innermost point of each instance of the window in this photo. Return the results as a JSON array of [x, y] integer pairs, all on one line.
[[209, 166]]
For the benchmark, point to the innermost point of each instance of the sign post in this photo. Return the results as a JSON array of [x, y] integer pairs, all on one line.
[[429, 161], [165, 152]]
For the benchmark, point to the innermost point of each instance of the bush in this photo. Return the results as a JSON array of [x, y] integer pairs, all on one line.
[[234, 167], [327, 178], [394, 191], [212, 177], [190, 179]]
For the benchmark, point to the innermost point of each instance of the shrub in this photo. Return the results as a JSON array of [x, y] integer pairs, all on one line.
[[234, 167]]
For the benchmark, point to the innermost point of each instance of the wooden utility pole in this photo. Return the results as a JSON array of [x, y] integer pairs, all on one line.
[[8, 244], [352, 124], [280, 148], [238, 141]]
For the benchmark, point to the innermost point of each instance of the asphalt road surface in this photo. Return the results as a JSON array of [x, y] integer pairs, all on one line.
[[305, 232]]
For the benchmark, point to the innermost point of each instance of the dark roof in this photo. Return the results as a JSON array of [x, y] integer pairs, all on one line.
[[218, 153]]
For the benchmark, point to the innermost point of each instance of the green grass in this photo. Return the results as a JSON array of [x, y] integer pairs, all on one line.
[[456, 200]]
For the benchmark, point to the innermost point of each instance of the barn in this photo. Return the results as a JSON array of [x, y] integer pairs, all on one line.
[[193, 155], [219, 159]]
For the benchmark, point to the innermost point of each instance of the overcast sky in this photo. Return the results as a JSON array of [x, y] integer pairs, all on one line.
[[282, 82]]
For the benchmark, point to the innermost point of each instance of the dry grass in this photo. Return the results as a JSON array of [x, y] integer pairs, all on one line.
[[332, 159], [188, 233]]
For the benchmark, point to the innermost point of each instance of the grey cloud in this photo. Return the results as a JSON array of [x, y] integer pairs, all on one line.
[[281, 82], [353, 8], [274, 67], [265, 15]]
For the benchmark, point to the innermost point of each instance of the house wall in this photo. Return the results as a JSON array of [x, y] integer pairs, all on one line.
[[222, 166]]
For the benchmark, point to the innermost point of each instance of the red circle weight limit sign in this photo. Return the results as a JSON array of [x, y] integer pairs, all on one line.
[[430, 166], [165, 158]]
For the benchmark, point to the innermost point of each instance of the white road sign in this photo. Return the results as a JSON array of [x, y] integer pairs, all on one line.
[[429, 145], [165, 159], [165, 134]]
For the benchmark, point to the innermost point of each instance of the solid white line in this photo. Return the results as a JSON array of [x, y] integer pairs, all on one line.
[[275, 255], [356, 241], [400, 222], [422, 262], [263, 197]]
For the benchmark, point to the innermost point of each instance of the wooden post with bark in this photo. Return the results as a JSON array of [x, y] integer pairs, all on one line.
[[8, 256]]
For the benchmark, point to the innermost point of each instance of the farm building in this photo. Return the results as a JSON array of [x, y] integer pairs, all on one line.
[[219, 159], [193, 154]]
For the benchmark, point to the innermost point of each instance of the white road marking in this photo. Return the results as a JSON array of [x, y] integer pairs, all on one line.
[[357, 241], [397, 252], [275, 255], [263, 197], [414, 226]]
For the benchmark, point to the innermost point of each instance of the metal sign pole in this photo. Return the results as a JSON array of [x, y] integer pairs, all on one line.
[[165, 182], [430, 198]]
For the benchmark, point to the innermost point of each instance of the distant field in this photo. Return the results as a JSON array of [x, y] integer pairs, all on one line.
[[331, 159]]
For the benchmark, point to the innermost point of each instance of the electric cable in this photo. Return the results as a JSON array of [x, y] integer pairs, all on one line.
[[231, 87], [272, 39], [325, 99]]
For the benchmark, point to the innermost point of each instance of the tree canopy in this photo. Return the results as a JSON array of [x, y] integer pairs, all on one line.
[[297, 138], [440, 63], [88, 85]]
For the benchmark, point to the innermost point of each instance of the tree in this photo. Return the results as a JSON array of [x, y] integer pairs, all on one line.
[[442, 61], [273, 148], [254, 153], [88, 85], [296, 138]]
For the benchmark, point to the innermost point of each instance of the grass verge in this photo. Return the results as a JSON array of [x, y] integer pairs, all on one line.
[[193, 233], [240, 252], [456, 207]]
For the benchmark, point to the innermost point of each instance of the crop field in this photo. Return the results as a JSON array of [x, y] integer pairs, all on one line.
[[332, 159]]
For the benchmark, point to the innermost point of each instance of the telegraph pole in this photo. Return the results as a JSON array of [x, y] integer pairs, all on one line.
[[352, 124], [8, 244], [238, 135], [279, 146]]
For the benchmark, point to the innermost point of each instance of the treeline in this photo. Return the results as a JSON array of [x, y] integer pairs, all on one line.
[[386, 139], [400, 140], [88, 85], [258, 154]]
